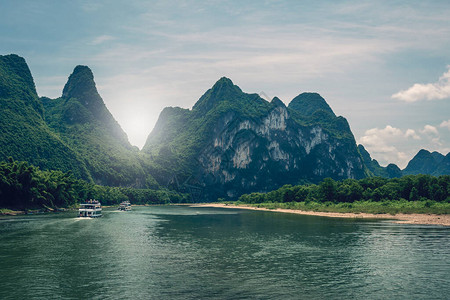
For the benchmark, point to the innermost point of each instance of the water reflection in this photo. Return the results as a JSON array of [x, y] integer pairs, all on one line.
[[190, 253]]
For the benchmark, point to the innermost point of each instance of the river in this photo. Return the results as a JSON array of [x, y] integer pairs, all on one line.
[[180, 252]]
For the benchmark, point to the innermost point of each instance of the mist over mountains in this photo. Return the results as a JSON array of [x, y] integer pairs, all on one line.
[[229, 143]]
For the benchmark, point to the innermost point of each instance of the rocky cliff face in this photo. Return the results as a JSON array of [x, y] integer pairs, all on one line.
[[246, 144]]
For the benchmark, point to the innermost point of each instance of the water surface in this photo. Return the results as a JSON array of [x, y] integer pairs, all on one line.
[[179, 252]]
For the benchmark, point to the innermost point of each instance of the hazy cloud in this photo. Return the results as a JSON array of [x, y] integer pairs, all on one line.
[[384, 144], [101, 39], [412, 133], [428, 129], [445, 124], [380, 143], [387, 145], [146, 55], [430, 91]]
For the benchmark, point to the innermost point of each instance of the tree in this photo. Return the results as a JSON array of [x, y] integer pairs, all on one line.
[[414, 194], [327, 190]]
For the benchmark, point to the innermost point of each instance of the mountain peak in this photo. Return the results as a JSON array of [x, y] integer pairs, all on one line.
[[308, 103], [16, 81], [224, 86], [224, 81], [277, 102], [15, 67], [425, 162], [222, 90], [80, 83], [80, 94], [423, 152]]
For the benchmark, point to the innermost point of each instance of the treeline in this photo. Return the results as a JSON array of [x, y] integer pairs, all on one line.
[[374, 189], [24, 186]]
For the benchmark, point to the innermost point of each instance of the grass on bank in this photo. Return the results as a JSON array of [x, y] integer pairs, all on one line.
[[371, 207]]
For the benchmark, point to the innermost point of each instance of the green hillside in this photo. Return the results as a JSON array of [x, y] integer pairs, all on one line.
[[82, 121], [24, 135]]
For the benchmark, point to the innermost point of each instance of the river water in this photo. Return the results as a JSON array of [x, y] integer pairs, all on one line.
[[179, 252]]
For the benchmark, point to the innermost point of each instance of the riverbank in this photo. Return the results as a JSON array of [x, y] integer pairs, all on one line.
[[10, 212], [424, 219]]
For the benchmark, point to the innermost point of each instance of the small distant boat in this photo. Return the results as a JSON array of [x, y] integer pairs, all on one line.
[[125, 206], [90, 209]]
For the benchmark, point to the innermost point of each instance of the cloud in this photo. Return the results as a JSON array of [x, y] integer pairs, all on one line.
[[430, 91], [430, 130], [386, 144], [380, 143], [171, 52], [412, 133], [445, 124], [394, 145], [101, 39]]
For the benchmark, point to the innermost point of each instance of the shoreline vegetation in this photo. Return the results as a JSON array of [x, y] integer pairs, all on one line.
[[417, 199], [400, 218], [25, 189]]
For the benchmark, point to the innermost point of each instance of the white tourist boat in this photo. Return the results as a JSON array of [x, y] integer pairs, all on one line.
[[90, 209], [125, 206]]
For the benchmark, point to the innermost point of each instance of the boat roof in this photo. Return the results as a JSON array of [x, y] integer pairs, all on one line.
[[91, 202]]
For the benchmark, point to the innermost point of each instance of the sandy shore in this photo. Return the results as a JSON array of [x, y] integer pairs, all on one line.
[[426, 219]]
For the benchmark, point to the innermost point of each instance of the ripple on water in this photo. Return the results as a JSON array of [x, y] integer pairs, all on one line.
[[197, 253]]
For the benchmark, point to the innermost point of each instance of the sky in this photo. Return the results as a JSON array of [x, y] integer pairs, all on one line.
[[383, 65]]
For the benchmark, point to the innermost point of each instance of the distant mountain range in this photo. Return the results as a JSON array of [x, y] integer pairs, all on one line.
[[428, 163], [391, 171], [424, 162], [229, 143]]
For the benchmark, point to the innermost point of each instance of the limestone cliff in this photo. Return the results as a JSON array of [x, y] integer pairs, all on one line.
[[232, 142]]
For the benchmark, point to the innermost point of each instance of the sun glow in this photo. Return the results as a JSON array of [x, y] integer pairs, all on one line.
[[137, 128]]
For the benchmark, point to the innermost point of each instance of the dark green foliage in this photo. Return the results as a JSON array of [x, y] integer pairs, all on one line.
[[327, 190], [373, 189], [393, 171], [23, 132], [307, 104], [24, 186], [310, 109], [16, 82]]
